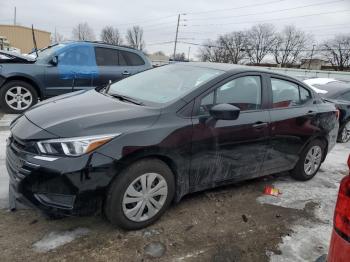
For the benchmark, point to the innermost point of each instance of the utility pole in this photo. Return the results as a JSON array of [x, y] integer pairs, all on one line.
[[177, 32], [312, 53], [15, 17]]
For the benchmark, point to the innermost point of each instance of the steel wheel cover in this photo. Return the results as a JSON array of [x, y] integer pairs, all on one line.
[[145, 197]]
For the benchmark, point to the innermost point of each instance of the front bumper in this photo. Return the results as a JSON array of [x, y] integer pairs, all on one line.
[[66, 186]]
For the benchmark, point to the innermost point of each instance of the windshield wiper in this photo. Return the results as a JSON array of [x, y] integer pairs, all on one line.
[[126, 98]]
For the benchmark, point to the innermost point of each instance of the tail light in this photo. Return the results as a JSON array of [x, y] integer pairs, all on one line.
[[342, 209]]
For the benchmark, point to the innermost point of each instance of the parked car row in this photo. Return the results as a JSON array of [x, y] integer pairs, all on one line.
[[337, 92], [139, 144], [61, 68]]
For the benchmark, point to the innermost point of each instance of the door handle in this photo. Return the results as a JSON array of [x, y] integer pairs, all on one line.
[[126, 73], [311, 112], [260, 125]]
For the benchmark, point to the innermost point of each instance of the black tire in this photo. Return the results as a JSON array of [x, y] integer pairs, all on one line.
[[298, 172], [114, 201], [341, 137], [3, 90]]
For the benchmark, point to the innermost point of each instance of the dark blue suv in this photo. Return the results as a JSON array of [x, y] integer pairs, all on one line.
[[62, 68]]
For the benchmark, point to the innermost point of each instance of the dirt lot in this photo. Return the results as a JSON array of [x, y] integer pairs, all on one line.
[[226, 224], [233, 223]]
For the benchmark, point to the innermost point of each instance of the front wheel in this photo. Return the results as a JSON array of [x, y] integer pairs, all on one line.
[[344, 134], [17, 96], [310, 161], [140, 194]]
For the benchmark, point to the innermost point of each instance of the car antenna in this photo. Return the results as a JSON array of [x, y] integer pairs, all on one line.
[[34, 42]]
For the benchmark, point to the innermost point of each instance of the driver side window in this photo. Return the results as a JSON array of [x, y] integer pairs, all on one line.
[[243, 92]]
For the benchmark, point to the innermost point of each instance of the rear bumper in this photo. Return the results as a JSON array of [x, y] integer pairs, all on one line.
[[339, 250]]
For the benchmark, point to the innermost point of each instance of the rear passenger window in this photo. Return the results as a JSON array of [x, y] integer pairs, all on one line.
[[129, 58], [287, 94], [106, 56]]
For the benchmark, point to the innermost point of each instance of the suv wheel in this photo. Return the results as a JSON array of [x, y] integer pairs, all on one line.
[[17, 96], [344, 134], [140, 194], [310, 161]]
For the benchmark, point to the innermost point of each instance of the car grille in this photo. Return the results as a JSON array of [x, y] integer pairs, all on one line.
[[17, 168]]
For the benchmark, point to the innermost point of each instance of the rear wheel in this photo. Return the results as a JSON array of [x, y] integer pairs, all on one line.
[[17, 96], [140, 194], [344, 134], [310, 161]]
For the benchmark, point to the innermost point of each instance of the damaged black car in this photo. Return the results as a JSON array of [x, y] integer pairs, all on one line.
[[134, 147]]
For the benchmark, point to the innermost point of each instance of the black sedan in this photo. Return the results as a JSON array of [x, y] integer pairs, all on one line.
[[143, 142], [337, 92]]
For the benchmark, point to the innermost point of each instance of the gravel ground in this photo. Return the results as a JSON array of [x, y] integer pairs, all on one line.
[[232, 223]]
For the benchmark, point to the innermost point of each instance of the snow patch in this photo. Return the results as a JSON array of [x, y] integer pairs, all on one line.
[[56, 239], [310, 240]]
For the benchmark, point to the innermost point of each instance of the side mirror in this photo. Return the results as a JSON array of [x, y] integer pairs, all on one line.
[[224, 112], [54, 60]]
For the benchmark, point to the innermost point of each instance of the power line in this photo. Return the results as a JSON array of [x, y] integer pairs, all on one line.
[[235, 8], [268, 12], [248, 49], [274, 19]]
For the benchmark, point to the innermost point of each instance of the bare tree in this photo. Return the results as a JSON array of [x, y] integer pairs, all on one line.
[[337, 51], [289, 45], [111, 35], [83, 32], [57, 38], [260, 41], [233, 45], [211, 52], [134, 37], [181, 57]]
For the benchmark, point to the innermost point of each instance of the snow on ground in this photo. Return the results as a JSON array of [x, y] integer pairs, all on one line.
[[55, 239], [6, 120], [311, 239], [4, 178]]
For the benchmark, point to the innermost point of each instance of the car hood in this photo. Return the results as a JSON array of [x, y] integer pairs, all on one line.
[[12, 57], [90, 113]]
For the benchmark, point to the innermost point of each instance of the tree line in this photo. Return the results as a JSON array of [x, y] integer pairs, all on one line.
[[286, 47], [109, 34], [256, 45]]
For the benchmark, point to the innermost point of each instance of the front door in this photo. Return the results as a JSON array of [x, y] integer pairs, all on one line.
[[230, 150], [76, 70]]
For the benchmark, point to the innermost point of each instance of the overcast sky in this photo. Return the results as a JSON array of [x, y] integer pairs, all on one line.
[[201, 20]]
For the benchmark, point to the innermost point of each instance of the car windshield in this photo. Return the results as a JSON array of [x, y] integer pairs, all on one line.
[[44, 54], [164, 84]]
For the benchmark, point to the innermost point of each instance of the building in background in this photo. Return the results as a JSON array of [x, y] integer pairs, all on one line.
[[4, 43], [158, 59], [313, 64], [20, 37]]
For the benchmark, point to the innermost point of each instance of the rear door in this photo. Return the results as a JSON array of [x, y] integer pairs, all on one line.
[[107, 60], [228, 150], [293, 116], [131, 62]]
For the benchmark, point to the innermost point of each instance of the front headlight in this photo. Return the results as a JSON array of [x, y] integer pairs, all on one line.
[[76, 146]]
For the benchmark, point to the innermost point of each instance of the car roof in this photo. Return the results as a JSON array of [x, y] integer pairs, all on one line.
[[234, 69], [101, 43]]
